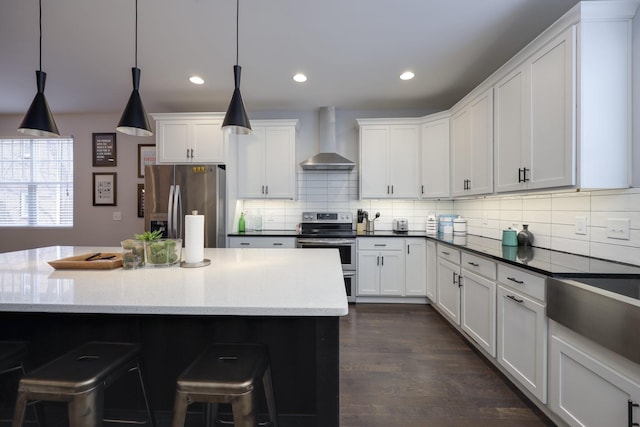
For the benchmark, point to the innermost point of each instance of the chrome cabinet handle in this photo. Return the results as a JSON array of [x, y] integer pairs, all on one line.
[[519, 282], [519, 301], [630, 406]]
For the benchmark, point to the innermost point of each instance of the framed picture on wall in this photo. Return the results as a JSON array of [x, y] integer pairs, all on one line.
[[104, 189], [104, 149], [146, 156], [140, 200]]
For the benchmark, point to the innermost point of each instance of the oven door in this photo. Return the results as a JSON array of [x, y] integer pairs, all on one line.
[[350, 285], [346, 247]]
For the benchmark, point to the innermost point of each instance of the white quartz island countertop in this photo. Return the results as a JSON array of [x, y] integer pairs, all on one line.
[[238, 282]]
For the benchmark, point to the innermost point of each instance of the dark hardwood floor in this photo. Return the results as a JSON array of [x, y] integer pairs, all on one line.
[[404, 366]]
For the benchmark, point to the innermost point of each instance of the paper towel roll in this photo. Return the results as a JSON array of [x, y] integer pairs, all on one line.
[[194, 238]]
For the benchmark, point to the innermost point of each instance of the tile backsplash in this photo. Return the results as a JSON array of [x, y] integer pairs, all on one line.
[[551, 216]]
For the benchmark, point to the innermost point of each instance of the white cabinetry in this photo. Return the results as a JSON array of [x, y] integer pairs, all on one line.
[[522, 328], [448, 288], [381, 267], [472, 146], [478, 301], [266, 160], [262, 242], [189, 138], [432, 271], [416, 267], [434, 156], [588, 385], [389, 158]]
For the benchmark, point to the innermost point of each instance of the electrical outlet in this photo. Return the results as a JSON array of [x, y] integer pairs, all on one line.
[[581, 225], [619, 228], [117, 216]]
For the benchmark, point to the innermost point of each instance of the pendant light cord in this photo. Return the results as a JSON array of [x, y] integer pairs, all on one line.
[[136, 50], [237, 29], [40, 26]]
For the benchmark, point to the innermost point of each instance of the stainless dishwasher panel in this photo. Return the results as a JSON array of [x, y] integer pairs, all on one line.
[[610, 322]]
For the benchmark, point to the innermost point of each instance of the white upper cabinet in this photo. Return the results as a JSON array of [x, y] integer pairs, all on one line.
[[434, 156], [189, 138], [389, 167], [266, 160], [472, 146], [563, 104]]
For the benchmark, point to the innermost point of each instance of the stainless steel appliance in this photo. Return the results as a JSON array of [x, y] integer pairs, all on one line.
[[400, 225], [332, 230], [172, 191]]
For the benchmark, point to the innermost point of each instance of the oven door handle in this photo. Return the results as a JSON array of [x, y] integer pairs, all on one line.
[[332, 242], [348, 273]]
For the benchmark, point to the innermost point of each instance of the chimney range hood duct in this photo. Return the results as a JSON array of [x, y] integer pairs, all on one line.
[[327, 159]]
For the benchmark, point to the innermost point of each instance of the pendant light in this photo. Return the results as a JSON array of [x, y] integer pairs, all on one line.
[[134, 118], [236, 120], [39, 121]]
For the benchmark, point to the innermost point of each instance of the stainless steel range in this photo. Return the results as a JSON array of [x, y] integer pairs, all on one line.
[[332, 230]]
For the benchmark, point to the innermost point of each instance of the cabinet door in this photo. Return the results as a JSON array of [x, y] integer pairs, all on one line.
[[481, 144], [432, 271], [522, 340], [392, 273], [368, 273], [460, 140], [584, 391], [416, 271], [448, 292], [510, 126], [172, 141], [434, 155], [552, 73], [251, 165], [402, 169], [208, 141], [279, 157], [478, 310], [373, 161]]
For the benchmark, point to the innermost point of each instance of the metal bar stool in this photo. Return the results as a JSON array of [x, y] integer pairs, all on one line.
[[12, 356], [79, 378], [227, 373]]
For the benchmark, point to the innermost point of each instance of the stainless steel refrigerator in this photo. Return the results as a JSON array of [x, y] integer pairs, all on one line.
[[173, 191]]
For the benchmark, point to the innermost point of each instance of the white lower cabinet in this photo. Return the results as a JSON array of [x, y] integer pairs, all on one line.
[[522, 340], [478, 301], [448, 284], [432, 270], [262, 242], [589, 387], [381, 267], [416, 267]]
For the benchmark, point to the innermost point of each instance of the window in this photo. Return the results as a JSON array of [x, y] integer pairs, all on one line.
[[36, 182]]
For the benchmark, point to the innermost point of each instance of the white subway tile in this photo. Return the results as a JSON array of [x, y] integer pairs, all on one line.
[[580, 247], [571, 202]]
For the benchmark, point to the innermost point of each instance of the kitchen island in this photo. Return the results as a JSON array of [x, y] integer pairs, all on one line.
[[289, 299]]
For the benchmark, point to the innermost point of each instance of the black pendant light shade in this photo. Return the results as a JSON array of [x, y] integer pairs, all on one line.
[[39, 121], [236, 120], [134, 118]]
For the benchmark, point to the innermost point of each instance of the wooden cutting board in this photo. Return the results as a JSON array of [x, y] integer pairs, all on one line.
[[79, 262]]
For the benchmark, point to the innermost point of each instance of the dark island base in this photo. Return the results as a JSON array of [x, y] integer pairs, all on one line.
[[304, 357]]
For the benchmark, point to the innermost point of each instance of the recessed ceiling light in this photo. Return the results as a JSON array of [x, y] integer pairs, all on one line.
[[196, 80], [300, 78], [407, 75]]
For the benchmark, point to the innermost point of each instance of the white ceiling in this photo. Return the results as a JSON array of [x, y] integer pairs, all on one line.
[[352, 50]]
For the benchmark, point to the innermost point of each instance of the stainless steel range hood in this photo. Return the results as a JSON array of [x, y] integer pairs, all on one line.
[[327, 159]]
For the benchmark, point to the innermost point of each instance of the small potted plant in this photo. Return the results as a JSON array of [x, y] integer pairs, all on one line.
[[160, 252], [132, 254]]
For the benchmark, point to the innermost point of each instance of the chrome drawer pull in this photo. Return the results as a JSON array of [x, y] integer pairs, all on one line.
[[519, 301], [519, 282]]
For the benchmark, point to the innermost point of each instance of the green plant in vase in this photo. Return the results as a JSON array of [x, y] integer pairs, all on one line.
[[160, 251]]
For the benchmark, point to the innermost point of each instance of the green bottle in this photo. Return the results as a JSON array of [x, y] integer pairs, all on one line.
[[241, 223]]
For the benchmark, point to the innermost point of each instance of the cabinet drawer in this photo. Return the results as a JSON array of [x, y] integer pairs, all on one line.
[[524, 282], [479, 265], [393, 244], [449, 253], [262, 242]]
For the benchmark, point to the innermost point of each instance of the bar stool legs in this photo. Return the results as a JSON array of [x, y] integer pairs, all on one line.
[[226, 373], [79, 378]]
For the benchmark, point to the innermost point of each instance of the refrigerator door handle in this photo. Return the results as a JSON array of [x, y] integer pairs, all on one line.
[[176, 210], [169, 210]]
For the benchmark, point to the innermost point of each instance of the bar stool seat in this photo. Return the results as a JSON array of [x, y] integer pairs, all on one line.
[[79, 377], [227, 373]]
